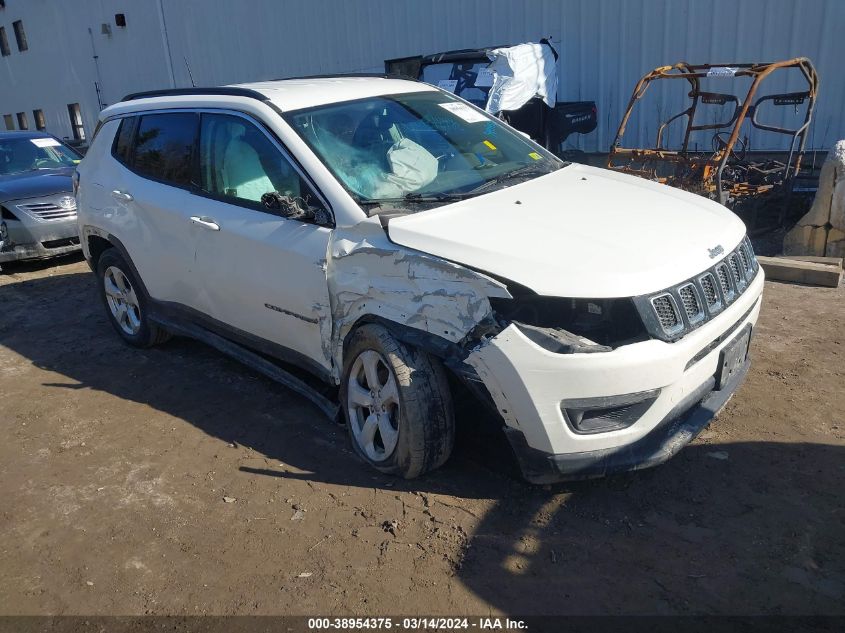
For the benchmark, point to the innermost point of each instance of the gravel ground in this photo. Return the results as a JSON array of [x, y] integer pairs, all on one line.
[[175, 481]]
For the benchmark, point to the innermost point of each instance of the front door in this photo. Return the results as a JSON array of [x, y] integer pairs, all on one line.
[[259, 273]]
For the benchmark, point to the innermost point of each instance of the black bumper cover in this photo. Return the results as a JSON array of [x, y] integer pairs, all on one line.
[[682, 425]]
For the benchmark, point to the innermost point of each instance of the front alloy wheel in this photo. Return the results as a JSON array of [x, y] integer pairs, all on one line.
[[373, 404], [396, 402]]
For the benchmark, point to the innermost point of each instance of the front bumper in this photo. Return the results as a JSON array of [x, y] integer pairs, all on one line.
[[528, 384], [681, 426], [38, 241]]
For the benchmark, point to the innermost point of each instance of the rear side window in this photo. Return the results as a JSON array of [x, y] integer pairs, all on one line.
[[122, 147], [164, 147]]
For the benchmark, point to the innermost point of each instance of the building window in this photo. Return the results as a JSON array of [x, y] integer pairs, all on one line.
[[23, 124], [20, 36], [76, 121], [4, 43], [9, 121], [40, 123]]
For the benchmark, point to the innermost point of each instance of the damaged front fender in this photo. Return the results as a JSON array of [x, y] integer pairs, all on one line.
[[370, 276]]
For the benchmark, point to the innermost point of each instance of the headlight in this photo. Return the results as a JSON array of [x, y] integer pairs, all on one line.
[[605, 323]]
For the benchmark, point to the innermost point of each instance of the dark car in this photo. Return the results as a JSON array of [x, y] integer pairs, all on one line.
[[36, 196], [548, 126]]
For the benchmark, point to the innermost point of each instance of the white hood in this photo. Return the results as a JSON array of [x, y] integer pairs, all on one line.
[[578, 232]]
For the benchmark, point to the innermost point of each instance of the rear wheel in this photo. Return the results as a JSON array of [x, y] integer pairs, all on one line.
[[126, 302], [397, 404]]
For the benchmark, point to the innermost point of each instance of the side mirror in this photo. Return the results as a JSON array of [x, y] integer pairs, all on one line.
[[295, 208]]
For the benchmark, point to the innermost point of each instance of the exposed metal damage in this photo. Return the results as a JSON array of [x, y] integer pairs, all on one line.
[[369, 275]]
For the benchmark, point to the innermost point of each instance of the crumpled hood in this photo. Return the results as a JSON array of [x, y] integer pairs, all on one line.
[[31, 184], [578, 232]]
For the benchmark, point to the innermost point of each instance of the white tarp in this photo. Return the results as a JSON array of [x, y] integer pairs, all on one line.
[[521, 72]]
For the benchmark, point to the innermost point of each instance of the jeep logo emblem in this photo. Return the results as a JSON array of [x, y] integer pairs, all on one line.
[[716, 251]]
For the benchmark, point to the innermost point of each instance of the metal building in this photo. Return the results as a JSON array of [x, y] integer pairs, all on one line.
[[62, 61]]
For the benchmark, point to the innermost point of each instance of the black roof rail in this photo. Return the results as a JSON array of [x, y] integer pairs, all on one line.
[[345, 75], [176, 92]]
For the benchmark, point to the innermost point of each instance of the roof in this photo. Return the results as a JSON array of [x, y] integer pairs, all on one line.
[[295, 94], [285, 94]]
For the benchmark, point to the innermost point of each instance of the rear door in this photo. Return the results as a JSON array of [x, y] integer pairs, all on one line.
[[261, 275], [153, 204]]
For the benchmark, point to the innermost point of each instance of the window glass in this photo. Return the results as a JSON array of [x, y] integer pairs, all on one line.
[[4, 43], [40, 122], [23, 124], [123, 140], [20, 35], [164, 147], [75, 115], [415, 148], [466, 79], [32, 154], [9, 121], [239, 161]]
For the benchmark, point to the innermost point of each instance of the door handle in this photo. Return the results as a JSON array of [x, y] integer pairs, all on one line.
[[122, 195], [205, 222]]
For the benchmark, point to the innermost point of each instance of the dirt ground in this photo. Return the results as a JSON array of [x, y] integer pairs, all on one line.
[[175, 481]]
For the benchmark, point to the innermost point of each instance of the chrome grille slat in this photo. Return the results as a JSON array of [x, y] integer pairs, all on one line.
[[711, 295], [692, 306], [725, 281], [48, 210], [667, 313]]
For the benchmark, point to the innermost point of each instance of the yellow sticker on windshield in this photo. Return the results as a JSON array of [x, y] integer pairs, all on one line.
[[489, 144], [535, 156]]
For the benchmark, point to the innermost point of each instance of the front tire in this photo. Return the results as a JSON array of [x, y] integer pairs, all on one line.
[[126, 302], [397, 404]]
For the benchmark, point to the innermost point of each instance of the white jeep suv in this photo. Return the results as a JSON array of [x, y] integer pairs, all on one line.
[[396, 241]]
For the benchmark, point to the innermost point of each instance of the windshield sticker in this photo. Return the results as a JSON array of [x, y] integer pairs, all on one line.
[[535, 155], [448, 84], [484, 79], [721, 71], [463, 111], [490, 145], [45, 142]]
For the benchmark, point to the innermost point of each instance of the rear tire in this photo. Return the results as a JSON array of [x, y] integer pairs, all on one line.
[[126, 302], [397, 404]]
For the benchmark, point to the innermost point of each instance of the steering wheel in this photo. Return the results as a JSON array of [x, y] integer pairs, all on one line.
[[720, 144]]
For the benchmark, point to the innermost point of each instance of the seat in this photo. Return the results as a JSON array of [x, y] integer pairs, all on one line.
[[243, 174]]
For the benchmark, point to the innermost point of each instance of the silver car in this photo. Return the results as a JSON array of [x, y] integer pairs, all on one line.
[[36, 196]]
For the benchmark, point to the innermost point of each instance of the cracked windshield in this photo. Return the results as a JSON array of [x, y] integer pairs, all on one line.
[[420, 147]]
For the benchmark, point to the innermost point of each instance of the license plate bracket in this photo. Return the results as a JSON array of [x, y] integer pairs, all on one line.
[[732, 357]]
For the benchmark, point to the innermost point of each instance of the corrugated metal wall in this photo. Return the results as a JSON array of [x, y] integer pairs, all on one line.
[[605, 45]]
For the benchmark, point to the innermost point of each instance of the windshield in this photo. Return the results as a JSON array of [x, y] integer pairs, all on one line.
[[418, 147], [471, 80], [28, 154]]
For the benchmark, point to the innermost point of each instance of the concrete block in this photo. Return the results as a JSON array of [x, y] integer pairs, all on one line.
[[819, 213], [805, 240], [835, 243], [837, 205]]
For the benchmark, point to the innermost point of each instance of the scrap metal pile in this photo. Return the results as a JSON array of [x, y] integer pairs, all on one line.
[[756, 186]]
